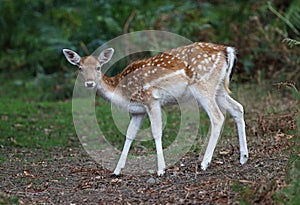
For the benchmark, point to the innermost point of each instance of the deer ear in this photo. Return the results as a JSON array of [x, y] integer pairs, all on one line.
[[106, 55], [72, 56]]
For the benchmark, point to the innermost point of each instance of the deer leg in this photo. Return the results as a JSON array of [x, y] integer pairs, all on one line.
[[208, 102], [134, 125], [155, 116], [237, 112], [217, 120]]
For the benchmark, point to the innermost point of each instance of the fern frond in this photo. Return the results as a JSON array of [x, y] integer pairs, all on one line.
[[293, 13], [291, 42], [286, 19]]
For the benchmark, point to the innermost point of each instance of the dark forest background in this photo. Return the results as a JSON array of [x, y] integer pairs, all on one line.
[[33, 34]]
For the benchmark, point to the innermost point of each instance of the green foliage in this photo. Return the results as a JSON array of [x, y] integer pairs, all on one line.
[[291, 18], [42, 28]]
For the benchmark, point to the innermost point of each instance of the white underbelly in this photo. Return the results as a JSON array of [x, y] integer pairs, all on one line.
[[169, 95]]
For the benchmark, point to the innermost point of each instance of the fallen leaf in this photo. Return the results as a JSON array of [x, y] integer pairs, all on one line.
[[226, 152], [219, 162], [116, 180], [246, 181], [27, 173]]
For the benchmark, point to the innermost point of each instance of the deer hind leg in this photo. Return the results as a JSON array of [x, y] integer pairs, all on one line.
[[236, 110], [134, 125], [208, 102], [155, 116]]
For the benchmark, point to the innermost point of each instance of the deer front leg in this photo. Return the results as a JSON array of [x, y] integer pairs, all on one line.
[[134, 125], [154, 113]]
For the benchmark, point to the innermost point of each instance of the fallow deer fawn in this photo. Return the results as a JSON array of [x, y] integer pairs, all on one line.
[[200, 70]]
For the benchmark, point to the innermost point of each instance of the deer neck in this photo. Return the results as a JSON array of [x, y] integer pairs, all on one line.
[[107, 89]]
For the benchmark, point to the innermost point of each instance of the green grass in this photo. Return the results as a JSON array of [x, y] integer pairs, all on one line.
[[11, 200], [26, 120], [290, 194], [1, 159], [245, 192], [35, 124]]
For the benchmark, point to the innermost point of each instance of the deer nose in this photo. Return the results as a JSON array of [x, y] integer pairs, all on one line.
[[90, 84]]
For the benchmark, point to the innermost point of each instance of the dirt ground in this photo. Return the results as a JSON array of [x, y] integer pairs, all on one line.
[[70, 176]]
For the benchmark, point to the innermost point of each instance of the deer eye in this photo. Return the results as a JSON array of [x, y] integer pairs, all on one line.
[[98, 68], [80, 68]]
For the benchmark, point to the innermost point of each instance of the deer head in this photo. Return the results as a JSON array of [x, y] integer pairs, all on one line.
[[89, 66]]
